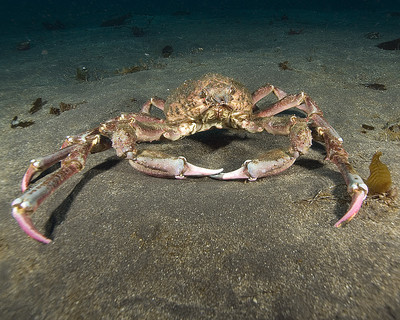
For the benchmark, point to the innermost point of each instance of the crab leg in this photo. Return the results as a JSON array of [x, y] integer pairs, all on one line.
[[24, 206], [334, 149], [41, 164], [275, 161], [27, 204], [155, 101], [272, 162], [162, 165], [359, 195], [336, 154], [266, 90]]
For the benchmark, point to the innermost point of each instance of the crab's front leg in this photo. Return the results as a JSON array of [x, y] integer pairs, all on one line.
[[274, 161], [157, 163], [73, 157]]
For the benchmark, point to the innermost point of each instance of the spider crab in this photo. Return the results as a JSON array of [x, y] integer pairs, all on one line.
[[212, 101]]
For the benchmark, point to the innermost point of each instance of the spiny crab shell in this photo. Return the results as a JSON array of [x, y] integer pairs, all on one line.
[[197, 99]]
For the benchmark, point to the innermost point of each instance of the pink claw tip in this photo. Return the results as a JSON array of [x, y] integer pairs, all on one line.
[[192, 170], [232, 175], [27, 178], [27, 226], [25, 183], [355, 206]]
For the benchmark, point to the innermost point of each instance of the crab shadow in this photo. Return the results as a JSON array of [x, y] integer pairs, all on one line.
[[217, 138], [60, 213]]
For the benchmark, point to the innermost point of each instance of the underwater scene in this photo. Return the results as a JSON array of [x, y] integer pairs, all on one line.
[[200, 160]]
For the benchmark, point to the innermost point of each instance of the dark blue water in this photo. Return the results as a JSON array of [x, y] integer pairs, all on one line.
[[16, 15]]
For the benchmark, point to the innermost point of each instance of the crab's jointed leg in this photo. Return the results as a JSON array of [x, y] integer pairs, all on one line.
[[39, 165], [159, 164], [155, 101], [266, 90], [335, 151], [122, 133], [73, 158], [336, 154], [275, 161]]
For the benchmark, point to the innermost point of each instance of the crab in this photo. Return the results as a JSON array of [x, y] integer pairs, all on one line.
[[212, 101]]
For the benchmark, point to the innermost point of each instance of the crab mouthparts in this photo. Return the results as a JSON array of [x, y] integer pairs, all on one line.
[[219, 112]]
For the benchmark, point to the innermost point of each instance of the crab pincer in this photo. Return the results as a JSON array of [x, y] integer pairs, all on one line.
[[159, 164], [359, 190], [24, 220], [271, 163]]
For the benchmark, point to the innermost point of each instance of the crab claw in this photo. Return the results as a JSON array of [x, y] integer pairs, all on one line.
[[39, 165], [159, 164], [195, 171], [241, 173], [272, 162], [20, 214], [32, 170], [356, 202]]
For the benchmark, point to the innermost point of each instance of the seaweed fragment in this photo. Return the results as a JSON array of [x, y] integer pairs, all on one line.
[[24, 45], [55, 111], [390, 45], [292, 32], [284, 65], [379, 180], [137, 31], [133, 69], [375, 86], [167, 51], [57, 25], [372, 35], [82, 74], [15, 122], [115, 22], [64, 107], [367, 127], [37, 105]]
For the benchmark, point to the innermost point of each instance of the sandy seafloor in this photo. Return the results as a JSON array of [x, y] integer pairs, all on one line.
[[131, 246]]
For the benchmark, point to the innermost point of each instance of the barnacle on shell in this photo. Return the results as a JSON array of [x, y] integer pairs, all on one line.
[[379, 180]]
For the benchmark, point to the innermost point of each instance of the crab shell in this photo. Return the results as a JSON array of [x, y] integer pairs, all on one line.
[[213, 99]]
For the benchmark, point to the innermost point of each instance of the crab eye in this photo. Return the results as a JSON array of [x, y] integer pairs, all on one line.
[[232, 90]]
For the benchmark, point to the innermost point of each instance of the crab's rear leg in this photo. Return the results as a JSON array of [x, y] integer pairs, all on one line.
[[275, 161], [336, 154], [73, 160]]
